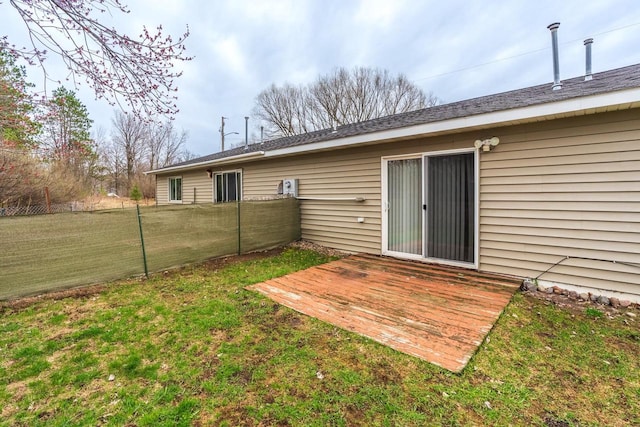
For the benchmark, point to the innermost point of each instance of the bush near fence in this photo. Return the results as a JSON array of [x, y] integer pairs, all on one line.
[[45, 253]]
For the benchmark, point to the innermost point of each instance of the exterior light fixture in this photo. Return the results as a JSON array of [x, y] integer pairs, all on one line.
[[487, 144]]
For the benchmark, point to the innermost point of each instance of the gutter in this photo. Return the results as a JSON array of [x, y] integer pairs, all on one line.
[[221, 161]]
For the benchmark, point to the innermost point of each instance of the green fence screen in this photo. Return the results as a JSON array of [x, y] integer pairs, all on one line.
[[49, 252]]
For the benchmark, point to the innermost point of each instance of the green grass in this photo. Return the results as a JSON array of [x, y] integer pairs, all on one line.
[[195, 348]]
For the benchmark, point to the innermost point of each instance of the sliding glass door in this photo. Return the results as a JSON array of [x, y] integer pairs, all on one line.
[[430, 207], [450, 207], [404, 206]]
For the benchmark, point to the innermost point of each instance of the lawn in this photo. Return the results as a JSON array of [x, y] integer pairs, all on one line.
[[193, 347]]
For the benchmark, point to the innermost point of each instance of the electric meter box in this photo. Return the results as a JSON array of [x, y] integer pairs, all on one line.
[[290, 186]]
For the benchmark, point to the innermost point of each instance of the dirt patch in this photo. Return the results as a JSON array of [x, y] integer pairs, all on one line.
[[81, 292], [218, 263], [303, 244], [551, 421], [384, 373], [579, 306], [9, 410]]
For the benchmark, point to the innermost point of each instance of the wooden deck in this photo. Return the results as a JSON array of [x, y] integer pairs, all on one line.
[[437, 313]]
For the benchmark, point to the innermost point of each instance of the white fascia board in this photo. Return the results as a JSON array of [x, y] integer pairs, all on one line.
[[497, 118], [221, 161]]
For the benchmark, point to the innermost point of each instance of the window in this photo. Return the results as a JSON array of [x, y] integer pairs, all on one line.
[[227, 186], [175, 189]]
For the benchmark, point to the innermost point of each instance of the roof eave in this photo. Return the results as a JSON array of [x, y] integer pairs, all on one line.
[[215, 162], [626, 98], [572, 106]]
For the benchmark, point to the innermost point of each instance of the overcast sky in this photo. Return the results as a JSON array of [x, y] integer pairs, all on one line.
[[453, 48]]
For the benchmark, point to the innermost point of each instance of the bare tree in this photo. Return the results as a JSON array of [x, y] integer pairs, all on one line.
[[113, 162], [138, 72], [186, 155], [164, 145], [137, 146], [283, 108], [129, 136], [337, 99]]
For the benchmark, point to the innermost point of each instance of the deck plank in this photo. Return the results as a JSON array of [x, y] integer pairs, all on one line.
[[437, 313]]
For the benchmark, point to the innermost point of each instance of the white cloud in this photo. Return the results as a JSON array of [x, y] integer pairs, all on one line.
[[379, 14], [229, 55], [242, 47]]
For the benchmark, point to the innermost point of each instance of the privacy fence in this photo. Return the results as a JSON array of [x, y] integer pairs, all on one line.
[[44, 253]]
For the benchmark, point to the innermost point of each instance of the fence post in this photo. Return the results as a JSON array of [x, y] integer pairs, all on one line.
[[48, 199], [238, 221], [144, 254]]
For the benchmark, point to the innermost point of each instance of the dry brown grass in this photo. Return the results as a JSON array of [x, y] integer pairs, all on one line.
[[102, 202]]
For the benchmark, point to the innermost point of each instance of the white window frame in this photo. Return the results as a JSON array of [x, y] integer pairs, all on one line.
[[169, 180], [238, 188]]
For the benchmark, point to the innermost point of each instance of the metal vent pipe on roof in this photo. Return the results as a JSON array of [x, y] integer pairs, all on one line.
[[556, 63], [587, 46]]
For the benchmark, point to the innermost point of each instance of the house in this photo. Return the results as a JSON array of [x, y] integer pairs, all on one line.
[[536, 183]]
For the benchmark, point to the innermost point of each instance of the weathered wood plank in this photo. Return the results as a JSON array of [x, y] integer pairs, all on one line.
[[437, 313]]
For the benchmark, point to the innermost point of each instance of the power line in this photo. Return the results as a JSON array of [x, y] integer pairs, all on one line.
[[471, 67]]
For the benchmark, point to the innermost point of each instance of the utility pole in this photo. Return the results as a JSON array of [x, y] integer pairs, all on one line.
[[222, 134]]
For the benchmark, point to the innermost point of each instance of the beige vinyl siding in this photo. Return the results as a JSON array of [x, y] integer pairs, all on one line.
[[347, 173], [567, 188], [198, 183], [191, 180], [162, 189]]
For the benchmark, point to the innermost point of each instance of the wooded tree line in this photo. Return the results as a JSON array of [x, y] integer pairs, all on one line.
[[47, 143]]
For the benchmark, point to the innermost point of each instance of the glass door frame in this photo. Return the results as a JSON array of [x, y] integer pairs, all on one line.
[[384, 202], [385, 206]]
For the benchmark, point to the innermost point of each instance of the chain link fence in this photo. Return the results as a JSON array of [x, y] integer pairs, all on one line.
[[51, 252], [36, 209], [77, 206]]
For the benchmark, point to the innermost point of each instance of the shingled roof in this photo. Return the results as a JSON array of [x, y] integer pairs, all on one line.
[[604, 82]]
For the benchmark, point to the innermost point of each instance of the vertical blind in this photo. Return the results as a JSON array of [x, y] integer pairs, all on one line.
[[404, 178], [175, 189], [450, 207], [228, 187]]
